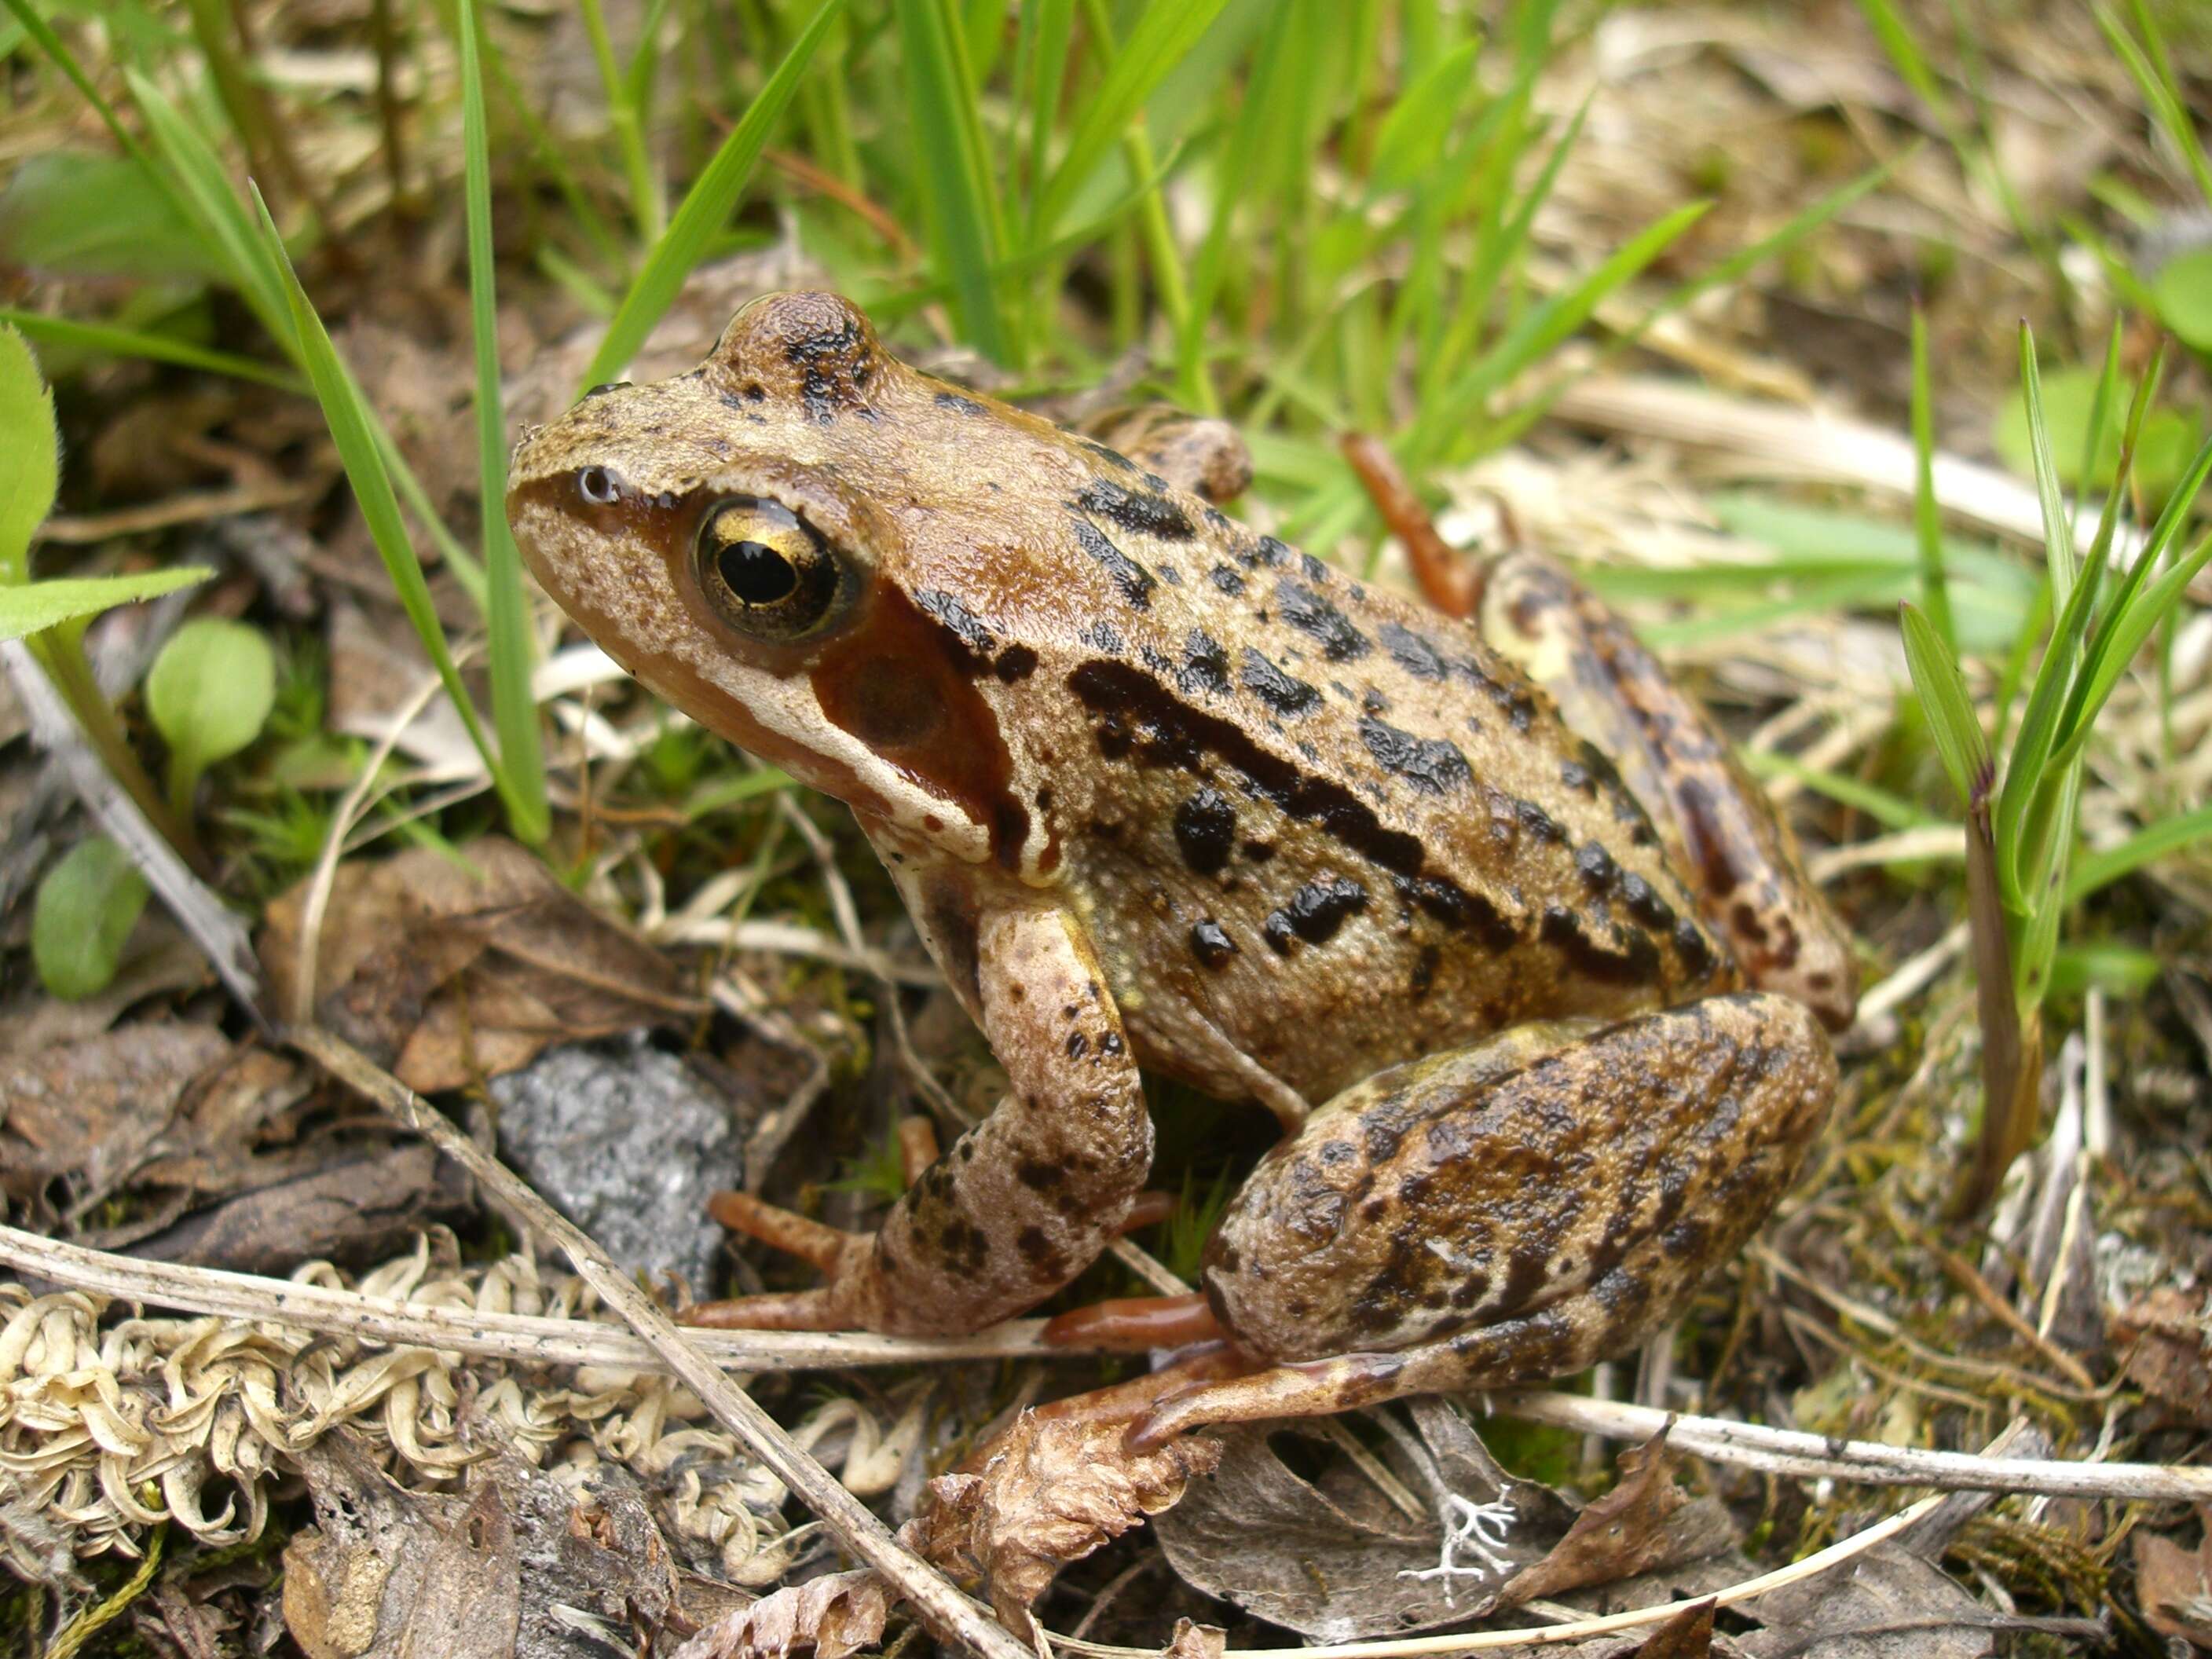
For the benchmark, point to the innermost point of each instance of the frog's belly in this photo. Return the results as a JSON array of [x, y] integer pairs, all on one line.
[[1319, 971]]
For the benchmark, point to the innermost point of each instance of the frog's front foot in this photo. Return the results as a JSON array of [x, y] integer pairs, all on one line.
[[1024, 1201]]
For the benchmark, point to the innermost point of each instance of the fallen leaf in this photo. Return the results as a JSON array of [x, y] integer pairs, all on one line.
[[522, 1567], [2168, 1340], [1687, 1635], [2174, 1585], [1050, 1491], [449, 970], [159, 960], [834, 1614], [356, 1210], [1330, 1554], [91, 1111], [1645, 1523], [1887, 1604], [1192, 1640]]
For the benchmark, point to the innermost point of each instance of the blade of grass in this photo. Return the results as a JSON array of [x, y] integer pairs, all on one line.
[[351, 424], [155, 347], [1959, 744], [645, 203], [706, 207], [1164, 34], [65, 60], [1935, 588], [959, 201], [1538, 333], [2155, 82], [507, 621], [2100, 869]]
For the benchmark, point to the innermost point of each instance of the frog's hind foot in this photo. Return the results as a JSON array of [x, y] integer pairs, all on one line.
[[847, 1258]]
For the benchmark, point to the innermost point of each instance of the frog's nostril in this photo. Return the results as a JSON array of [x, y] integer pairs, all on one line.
[[599, 485]]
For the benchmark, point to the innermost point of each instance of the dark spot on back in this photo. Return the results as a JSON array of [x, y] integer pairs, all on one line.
[[1144, 514], [1308, 612], [1205, 831], [958, 404], [1430, 764], [1315, 913], [1278, 691], [1205, 663], [1211, 944], [1132, 578]]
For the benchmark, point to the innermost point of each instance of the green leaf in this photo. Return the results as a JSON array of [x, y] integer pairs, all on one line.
[[2119, 970], [136, 232], [30, 455], [35, 606], [1959, 743], [507, 618], [86, 908], [209, 694], [706, 209], [2182, 291]]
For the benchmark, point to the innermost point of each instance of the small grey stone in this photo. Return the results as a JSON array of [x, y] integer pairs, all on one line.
[[627, 1142]]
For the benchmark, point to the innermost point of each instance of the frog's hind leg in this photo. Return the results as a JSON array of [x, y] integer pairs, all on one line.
[[1024, 1201], [1516, 1210]]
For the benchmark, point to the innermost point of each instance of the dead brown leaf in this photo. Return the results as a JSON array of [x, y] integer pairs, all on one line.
[[834, 1614], [522, 1567], [1291, 1529], [2174, 1585], [448, 971], [1050, 1492], [2169, 1343], [1193, 1640], [92, 1110], [355, 1209], [1645, 1522], [1687, 1635]]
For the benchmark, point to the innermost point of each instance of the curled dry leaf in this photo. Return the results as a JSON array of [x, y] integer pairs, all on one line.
[[451, 969], [1645, 1523], [834, 1614], [1687, 1635], [2176, 1585], [1051, 1491]]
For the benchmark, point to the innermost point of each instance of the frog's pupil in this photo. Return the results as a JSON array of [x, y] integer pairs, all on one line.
[[756, 572]]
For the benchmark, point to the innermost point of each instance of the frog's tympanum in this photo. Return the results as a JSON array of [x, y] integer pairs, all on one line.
[[1487, 917]]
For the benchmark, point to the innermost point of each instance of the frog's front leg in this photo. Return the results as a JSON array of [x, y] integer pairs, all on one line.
[[1025, 1200], [1504, 1214]]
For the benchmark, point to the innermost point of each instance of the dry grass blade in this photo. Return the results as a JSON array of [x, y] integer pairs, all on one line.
[[949, 1615]]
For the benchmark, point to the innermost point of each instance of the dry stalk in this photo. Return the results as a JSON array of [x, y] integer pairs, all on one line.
[[951, 1616]]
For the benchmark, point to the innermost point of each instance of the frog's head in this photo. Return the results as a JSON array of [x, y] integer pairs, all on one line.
[[795, 544]]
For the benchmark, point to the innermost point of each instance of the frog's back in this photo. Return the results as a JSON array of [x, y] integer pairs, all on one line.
[[1335, 828]]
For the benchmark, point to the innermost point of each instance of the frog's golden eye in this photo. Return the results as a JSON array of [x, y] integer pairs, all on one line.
[[765, 571]]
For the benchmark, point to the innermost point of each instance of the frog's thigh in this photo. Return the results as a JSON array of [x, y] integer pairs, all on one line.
[[1514, 1211], [1027, 1199], [1730, 846]]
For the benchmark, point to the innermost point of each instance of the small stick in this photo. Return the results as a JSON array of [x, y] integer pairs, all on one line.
[[517, 1339], [951, 1616]]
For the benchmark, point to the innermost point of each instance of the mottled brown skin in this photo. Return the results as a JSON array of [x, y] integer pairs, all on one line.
[[1163, 792]]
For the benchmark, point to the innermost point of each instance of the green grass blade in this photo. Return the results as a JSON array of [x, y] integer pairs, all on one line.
[[2022, 807], [959, 203], [2116, 648], [352, 427], [2038, 941], [2156, 83], [1959, 744], [1927, 522], [205, 194], [2058, 530], [706, 207], [1891, 812], [1413, 132], [65, 60], [1539, 332], [1164, 35], [507, 619], [645, 203], [2100, 869], [155, 347], [2100, 412]]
